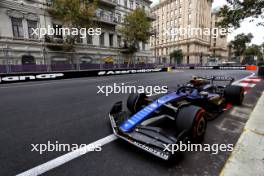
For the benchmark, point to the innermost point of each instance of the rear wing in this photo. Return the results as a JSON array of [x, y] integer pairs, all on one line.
[[217, 78]]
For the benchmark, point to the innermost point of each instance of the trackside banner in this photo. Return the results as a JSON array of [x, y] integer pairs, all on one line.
[[23, 77], [215, 67], [247, 67]]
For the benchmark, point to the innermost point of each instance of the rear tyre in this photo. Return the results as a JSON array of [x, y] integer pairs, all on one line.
[[135, 102], [191, 121], [234, 94]]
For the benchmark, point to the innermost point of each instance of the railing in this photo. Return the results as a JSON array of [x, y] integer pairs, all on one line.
[[105, 18], [112, 2]]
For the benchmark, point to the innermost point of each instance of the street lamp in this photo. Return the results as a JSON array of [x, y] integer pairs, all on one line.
[[6, 51]]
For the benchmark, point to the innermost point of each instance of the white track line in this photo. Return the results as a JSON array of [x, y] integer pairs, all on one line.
[[76, 153], [237, 81], [66, 157]]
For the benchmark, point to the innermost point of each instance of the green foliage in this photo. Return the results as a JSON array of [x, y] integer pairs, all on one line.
[[237, 10], [253, 50], [73, 13], [239, 43], [136, 29], [177, 55]]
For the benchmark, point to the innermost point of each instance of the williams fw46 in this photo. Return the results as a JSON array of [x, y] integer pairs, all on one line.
[[181, 115]]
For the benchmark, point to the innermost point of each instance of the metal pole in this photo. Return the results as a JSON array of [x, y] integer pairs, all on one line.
[[6, 53]]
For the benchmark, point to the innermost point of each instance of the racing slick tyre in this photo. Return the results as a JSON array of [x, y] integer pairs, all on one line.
[[191, 120], [135, 102], [234, 94]]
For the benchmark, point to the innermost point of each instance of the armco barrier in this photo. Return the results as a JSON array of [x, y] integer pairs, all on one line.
[[248, 67], [23, 77]]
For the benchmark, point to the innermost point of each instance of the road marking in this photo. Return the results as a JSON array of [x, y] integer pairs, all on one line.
[[246, 85], [237, 81], [75, 154], [66, 157]]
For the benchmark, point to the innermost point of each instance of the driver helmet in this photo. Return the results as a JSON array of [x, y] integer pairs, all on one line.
[[196, 81]]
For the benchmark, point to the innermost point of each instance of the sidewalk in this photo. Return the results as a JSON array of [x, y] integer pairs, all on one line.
[[247, 157]]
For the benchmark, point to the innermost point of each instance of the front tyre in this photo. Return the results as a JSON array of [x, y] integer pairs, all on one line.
[[191, 121], [135, 102]]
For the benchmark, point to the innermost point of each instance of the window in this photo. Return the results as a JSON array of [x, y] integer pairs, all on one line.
[[131, 4], [119, 40], [118, 17], [17, 27], [32, 25], [111, 43], [102, 39], [89, 39], [143, 46], [125, 3], [57, 28], [79, 39]]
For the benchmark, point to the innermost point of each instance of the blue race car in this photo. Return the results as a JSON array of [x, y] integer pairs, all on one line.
[[178, 116]]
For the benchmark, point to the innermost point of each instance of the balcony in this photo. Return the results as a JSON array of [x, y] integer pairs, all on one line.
[[105, 17], [111, 3], [57, 44], [151, 16]]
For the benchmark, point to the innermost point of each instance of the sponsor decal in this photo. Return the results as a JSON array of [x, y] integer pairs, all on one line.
[[232, 68], [214, 67], [16, 78], [151, 150], [118, 72]]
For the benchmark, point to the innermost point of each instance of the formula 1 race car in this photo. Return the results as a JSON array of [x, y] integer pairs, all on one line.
[[178, 116]]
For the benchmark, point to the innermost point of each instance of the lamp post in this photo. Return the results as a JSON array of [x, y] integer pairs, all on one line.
[[154, 34], [6, 51]]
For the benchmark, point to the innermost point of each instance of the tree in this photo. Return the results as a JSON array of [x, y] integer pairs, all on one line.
[[136, 29], [177, 55], [239, 43], [250, 52], [238, 10], [73, 14]]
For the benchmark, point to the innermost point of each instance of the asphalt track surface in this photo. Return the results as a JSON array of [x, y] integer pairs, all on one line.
[[71, 112]]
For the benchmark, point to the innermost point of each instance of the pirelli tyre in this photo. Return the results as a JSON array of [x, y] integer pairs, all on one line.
[[191, 122], [234, 94], [135, 102]]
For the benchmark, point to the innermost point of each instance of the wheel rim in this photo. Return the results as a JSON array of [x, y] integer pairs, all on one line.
[[200, 124], [201, 127]]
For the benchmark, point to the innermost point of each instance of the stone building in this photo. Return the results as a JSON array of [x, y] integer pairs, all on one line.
[[18, 46], [188, 15]]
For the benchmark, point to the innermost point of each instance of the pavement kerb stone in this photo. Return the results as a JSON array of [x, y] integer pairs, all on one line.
[[247, 157]]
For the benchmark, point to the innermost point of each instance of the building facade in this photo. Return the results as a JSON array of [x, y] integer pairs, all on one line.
[[184, 15], [18, 45], [219, 45]]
